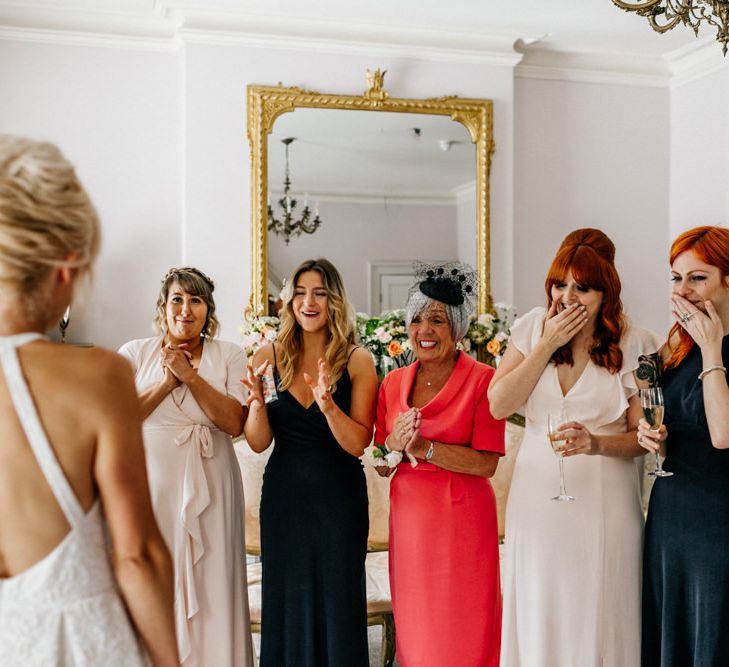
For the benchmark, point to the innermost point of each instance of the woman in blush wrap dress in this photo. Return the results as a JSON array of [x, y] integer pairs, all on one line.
[[191, 394]]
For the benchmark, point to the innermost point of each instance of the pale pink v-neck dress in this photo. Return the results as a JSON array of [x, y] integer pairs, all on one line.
[[197, 496], [572, 570]]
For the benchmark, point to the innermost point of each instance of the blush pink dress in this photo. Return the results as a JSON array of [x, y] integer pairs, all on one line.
[[197, 496], [444, 560]]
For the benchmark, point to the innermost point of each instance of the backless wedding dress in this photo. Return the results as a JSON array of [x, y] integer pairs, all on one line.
[[64, 610]]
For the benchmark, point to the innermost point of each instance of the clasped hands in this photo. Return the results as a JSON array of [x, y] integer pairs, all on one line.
[[405, 435], [176, 363]]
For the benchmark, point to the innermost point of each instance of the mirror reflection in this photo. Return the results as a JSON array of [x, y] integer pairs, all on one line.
[[372, 192]]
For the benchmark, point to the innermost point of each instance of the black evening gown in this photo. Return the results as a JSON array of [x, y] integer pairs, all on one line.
[[686, 557], [314, 524]]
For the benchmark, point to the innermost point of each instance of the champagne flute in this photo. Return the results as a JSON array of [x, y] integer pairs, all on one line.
[[556, 440], [651, 400]]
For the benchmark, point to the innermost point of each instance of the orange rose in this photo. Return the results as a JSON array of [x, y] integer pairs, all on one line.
[[394, 349], [493, 347]]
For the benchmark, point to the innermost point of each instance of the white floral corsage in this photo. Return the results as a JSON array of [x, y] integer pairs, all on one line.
[[380, 456]]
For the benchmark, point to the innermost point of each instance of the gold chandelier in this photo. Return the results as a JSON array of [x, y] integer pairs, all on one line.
[[663, 15]]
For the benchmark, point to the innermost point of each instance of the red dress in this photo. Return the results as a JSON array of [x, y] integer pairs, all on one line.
[[444, 558]]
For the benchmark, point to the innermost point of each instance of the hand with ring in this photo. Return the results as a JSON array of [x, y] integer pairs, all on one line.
[[652, 440], [704, 326], [577, 439]]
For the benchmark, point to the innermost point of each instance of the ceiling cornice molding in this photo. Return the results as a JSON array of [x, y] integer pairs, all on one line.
[[94, 39], [601, 68], [163, 28], [695, 61]]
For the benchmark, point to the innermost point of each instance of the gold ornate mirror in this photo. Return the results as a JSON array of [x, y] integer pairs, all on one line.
[[409, 182]]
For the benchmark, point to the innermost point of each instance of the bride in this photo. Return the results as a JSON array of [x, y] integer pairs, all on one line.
[[71, 448]]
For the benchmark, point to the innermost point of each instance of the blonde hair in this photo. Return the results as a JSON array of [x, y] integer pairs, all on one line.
[[46, 218], [340, 324], [194, 282]]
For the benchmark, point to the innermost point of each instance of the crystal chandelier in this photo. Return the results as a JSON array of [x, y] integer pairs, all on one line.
[[286, 225], [663, 15]]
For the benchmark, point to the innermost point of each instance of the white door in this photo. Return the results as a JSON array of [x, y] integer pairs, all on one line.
[[389, 281]]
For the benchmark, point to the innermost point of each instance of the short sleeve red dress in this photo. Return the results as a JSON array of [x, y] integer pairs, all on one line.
[[444, 560]]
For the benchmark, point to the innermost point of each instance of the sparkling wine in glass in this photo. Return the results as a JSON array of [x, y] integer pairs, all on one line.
[[556, 440], [651, 400]]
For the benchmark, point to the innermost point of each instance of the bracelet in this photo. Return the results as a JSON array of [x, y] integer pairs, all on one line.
[[710, 369], [430, 452]]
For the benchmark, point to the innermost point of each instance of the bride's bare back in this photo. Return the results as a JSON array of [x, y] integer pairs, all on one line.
[[85, 401]]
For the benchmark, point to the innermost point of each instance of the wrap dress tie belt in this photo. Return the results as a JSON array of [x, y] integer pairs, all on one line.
[[195, 498]]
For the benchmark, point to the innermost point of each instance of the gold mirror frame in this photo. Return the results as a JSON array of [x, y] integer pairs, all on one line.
[[267, 103]]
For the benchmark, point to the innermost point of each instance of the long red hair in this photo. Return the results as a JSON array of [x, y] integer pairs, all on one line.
[[710, 245], [589, 254]]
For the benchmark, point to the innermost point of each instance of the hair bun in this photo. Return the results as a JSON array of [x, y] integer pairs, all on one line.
[[594, 238]]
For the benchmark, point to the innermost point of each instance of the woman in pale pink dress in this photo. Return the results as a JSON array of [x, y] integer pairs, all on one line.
[[191, 397]]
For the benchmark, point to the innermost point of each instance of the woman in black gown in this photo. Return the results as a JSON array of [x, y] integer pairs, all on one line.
[[314, 519], [686, 557]]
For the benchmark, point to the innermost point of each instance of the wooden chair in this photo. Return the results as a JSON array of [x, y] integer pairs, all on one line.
[[379, 606]]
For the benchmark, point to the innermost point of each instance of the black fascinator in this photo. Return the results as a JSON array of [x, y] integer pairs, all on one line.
[[452, 283]]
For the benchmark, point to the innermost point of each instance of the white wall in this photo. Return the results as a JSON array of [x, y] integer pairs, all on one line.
[[466, 223], [353, 233], [589, 155], [159, 137], [116, 115], [700, 153]]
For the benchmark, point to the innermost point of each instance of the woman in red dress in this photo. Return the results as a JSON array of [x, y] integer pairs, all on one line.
[[444, 561]]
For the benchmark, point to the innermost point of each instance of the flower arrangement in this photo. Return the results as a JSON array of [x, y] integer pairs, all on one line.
[[386, 338], [257, 331], [489, 333]]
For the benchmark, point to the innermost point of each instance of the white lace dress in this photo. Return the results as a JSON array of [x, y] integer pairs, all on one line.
[[197, 496], [64, 610], [572, 570]]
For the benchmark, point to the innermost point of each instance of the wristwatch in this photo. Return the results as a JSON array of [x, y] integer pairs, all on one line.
[[429, 453]]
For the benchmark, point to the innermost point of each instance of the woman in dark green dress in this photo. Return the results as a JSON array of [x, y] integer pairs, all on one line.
[[314, 518], [686, 557]]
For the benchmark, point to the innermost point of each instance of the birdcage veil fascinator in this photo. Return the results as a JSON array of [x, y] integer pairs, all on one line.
[[453, 284]]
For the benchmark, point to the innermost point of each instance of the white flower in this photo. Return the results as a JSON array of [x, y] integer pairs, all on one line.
[[382, 335], [502, 336], [393, 459], [271, 334]]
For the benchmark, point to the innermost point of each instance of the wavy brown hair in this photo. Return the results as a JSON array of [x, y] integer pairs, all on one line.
[[710, 245], [194, 282], [340, 324], [589, 254]]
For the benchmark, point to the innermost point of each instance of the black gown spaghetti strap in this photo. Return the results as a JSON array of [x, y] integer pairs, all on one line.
[[314, 524], [686, 556]]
